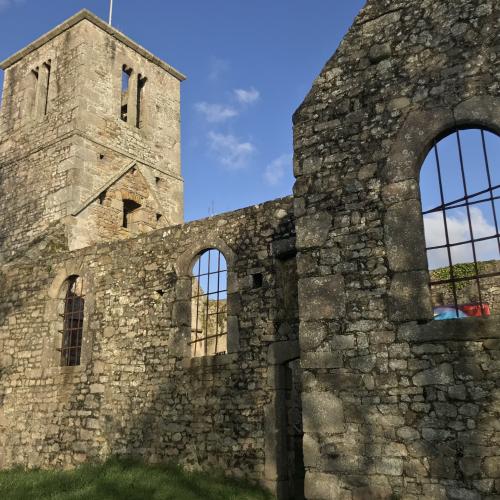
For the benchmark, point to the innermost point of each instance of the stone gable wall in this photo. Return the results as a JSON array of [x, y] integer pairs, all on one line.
[[388, 414]]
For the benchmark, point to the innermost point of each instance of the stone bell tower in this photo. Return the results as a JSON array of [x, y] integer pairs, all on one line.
[[89, 140]]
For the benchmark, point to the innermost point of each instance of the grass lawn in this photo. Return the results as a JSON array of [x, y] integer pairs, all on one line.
[[123, 480]]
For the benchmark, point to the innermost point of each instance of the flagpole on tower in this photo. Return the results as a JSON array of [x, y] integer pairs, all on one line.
[[110, 11]]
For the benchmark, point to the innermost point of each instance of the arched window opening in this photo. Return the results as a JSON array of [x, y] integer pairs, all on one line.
[[73, 313], [460, 192], [129, 208], [209, 304]]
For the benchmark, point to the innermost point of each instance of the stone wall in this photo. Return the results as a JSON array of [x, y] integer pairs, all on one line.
[[139, 391], [394, 405]]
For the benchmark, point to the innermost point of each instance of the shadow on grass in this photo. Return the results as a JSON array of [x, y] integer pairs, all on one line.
[[124, 479]]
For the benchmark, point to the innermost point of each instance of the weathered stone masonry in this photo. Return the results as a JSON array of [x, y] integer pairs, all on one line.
[[329, 313], [139, 391], [54, 166], [393, 405]]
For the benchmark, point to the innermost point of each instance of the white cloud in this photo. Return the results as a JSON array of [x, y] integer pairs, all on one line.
[[5, 4], [217, 68], [275, 170], [247, 96], [215, 113], [229, 150], [458, 230]]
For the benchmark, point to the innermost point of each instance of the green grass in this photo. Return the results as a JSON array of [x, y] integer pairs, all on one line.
[[120, 479]]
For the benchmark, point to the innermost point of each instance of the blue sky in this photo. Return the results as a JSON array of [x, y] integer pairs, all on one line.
[[249, 65]]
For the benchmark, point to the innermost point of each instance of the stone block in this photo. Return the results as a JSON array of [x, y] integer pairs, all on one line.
[[372, 492], [404, 239], [311, 450], [322, 413], [399, 103], [441, 375], [408, 434], [456, 493], [108, 331], [406, 191], [182, 313], [364, 364], [6, 360], [313, 230], [491, 466], [388, 466], [97, 388], [380, 51], [319, 486], [312, 335], [322, 297], [281, 352], [409, 297], [183, 288], [283, 248]]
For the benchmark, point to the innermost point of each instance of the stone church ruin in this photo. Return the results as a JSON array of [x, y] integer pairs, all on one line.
[[339, 343]]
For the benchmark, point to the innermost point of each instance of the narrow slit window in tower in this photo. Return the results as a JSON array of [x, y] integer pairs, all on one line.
[[126, 73], [47, 68], [31, 91], [141, 83]]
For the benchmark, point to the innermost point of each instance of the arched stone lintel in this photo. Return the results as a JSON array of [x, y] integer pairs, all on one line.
[[422, 127], [186, 260], [68, 269], [127, 195]]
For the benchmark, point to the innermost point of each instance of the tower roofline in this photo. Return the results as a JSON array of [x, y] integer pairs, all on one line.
[[89, 16]]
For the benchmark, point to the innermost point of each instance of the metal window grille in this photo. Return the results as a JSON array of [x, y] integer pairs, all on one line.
[[209, 304], [72, 332], [485, 198]]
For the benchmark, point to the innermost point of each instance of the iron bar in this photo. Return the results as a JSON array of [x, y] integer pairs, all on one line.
[[217, 311], [215, 272], [466, 278], [208, 303], [221, 291], [450, 207], [448, 249], [469, 219], [491, 189], [197, 300], [208, 337], [485, 238]]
